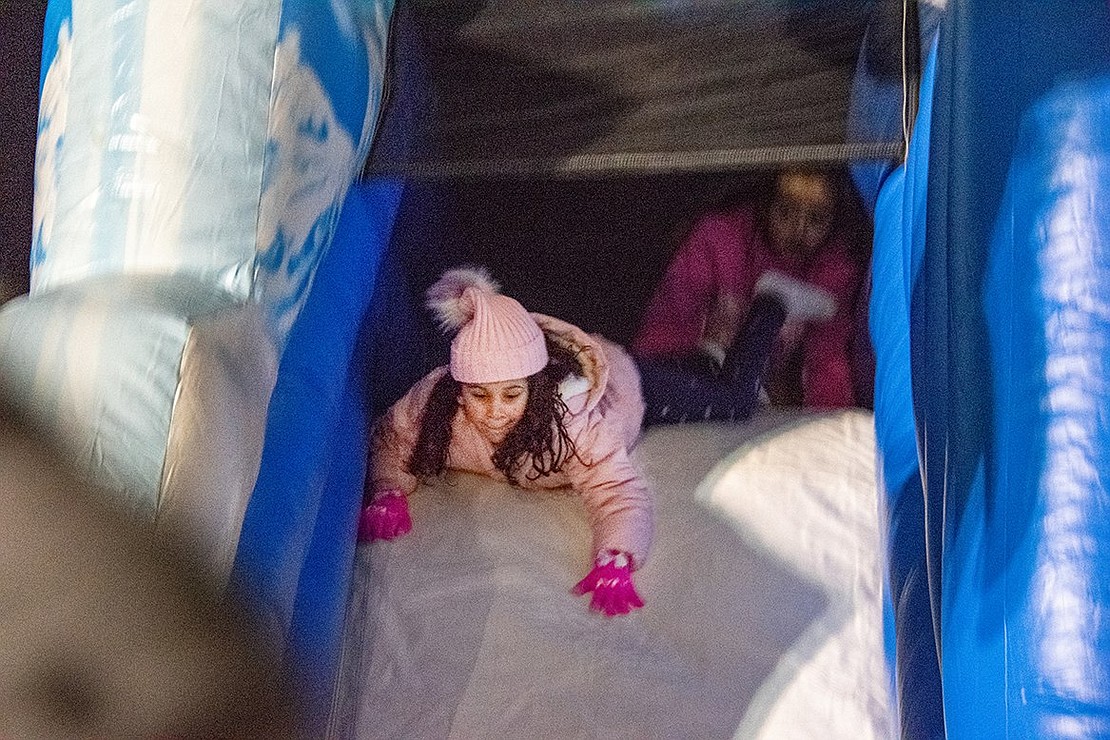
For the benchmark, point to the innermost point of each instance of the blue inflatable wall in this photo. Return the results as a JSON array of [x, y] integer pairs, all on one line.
[[896, 264], [296, 548], [1005, 273]]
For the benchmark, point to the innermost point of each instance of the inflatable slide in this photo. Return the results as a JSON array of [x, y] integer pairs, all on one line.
[[216, 192]]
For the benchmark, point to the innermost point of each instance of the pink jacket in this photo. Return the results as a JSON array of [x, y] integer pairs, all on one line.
[[726, 253], [606, 410]]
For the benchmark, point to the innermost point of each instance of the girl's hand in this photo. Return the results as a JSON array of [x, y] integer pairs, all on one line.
[[610, 580], [385, 518], [723, 321], [791, 336]]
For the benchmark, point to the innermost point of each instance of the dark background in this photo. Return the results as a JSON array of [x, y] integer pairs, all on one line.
[[588, 250], [21, 24], [550, 86]]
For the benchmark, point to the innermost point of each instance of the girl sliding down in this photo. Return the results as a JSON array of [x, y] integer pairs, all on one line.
[[756, 292], [527, 399]]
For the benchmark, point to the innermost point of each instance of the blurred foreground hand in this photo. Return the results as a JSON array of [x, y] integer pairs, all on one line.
[[103, 634]]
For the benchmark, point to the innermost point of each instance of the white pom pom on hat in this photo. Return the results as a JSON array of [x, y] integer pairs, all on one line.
[[496, 339]]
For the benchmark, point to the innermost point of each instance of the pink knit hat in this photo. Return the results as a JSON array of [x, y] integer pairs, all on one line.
[[496, 338]]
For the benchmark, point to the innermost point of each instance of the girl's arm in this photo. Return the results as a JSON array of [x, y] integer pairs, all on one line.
[[385, 514], [619, 506], [675, 317], [618, 500], [394, 438], [828, 367], [827, 360]]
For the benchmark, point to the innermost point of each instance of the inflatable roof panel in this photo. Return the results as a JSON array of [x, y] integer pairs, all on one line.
[[544, 86]]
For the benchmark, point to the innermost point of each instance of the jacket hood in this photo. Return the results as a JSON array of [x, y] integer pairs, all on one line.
[[591, 358]]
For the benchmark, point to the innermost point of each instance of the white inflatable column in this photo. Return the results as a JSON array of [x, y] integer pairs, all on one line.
[[190, 168]]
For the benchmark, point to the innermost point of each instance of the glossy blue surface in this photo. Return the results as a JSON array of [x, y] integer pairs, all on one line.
[[896, 264], [296, 549], [1008, 349]]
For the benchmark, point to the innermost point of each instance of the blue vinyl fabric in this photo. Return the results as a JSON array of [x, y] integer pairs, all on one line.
[[899, 244], [1047, 302], [296, 548], [1009, 341]]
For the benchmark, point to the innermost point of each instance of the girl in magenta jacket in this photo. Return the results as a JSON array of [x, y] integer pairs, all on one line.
[[750, 284], [527, 399]]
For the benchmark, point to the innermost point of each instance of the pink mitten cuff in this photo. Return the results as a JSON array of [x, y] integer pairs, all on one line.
[[386, 517], [610, 581]]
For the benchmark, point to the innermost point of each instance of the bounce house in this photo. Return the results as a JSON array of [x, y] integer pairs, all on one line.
[[239, 204]]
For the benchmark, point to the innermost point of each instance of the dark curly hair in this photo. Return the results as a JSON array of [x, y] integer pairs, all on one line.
[[539, 438]]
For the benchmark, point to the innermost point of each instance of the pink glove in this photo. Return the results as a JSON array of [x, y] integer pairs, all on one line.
[[384, 518], [611, 584]]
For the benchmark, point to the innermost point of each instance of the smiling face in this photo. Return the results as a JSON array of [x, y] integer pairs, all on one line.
[[494, 408]]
